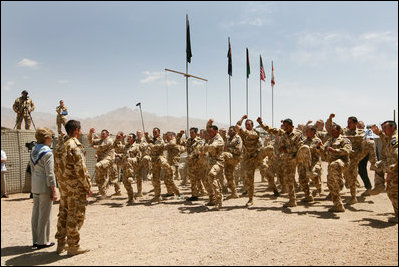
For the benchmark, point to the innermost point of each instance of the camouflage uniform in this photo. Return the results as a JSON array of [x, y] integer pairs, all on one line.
[[291, 142], [23, 108], [192, 162], [74, 186], [337, 162], [159, 162], [105, 162], [130, 165], [61, 117], [312, 169], [266, 167], [390, 166], [119, 148], [232, 154], [215, 164], [356, 138], [173, 157], [144, 165]]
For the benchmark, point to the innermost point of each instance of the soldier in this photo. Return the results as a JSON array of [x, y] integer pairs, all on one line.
[[159, 162], [251, 147], [74, 189], [23, 106], [389, 164], [214, 148], [105, 162], [232, 153], [174, 151], [130, 164], [119, 147], [313, 171], [356, 137], [337, 150], [193, 145], [291, 141], [62, 111], [145, 162]]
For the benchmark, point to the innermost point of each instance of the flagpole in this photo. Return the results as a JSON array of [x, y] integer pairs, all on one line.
[[230, 98], [187, 131], [272, 108], [260, 90]]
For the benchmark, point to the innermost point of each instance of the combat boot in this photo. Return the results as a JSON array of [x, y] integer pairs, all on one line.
[[337, 208], [76, 251], [61, 247], [393, 219], [156, 199], [117, 193], [275, 192], [250, 203], [139, 194], [378, 189], [352, 201], [130, 200], [234, 195], [210, 203], [291, 203], [366, 193], [308, 198]]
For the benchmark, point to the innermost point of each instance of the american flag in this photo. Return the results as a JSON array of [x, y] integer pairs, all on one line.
[[262, 70], [272, 81]]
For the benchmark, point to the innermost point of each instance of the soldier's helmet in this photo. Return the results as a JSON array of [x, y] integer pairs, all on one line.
[[24, 92]]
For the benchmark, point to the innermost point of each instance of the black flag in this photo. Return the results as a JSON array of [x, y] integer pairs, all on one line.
[[138, 104], [188, 44], [230, 67]]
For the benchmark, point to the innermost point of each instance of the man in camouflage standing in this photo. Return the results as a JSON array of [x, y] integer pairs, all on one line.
[[291, 141], [251, 148], [62, 112], [356, 137], [130, 165], [105, 162], [232, 153], [23, 106], [74, 190], [214, 148], [193, 145], [144, 163], [389, 164], [159, 162], [337, 150], [119, 147]]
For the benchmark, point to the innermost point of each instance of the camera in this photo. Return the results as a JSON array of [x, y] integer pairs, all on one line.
[[30, 145]]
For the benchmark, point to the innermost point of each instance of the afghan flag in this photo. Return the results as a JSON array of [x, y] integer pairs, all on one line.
[[248, 67], [230, 66], [272, 81], [188, 43], [262, 70]]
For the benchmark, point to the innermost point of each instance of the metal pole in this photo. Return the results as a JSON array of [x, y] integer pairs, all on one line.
[[247, 98], [260, 97], [142, 121], [187, 132], [32, 120], [230, 98], [272, 108]]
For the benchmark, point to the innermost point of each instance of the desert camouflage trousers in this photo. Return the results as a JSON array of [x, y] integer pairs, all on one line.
[[194, 171], [266, 170], [27, 121], [158, 164], [308, 170], [71, 215], [230, 165], [335, 180], [392, 192], [106, 170], [213, 185], [61, 121]]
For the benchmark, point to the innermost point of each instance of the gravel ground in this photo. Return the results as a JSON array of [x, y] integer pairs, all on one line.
[[176, 232]]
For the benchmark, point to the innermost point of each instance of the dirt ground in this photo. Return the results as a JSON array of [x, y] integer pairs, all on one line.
[[176, 232]]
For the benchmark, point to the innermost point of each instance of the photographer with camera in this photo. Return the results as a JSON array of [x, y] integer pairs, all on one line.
[[23, 106], [62, 112]]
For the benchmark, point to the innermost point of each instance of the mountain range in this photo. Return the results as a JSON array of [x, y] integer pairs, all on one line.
[[123, 119]]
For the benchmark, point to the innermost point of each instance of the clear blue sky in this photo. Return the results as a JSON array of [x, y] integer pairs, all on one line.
[[329, 57]]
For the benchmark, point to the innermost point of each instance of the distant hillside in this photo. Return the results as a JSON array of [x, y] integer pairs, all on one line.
[[123, 119]]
